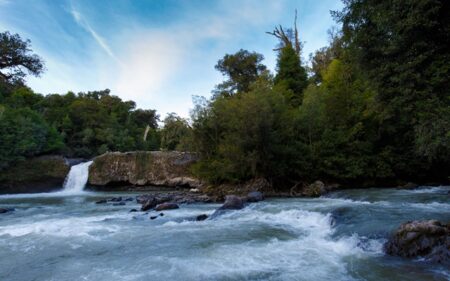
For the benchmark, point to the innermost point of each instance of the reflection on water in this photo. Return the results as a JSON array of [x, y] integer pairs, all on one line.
[[56, 236]]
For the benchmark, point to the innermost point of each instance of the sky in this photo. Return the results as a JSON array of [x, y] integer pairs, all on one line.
[[158, 53]]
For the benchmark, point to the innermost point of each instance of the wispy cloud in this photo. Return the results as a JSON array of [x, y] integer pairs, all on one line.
[[99, 39]]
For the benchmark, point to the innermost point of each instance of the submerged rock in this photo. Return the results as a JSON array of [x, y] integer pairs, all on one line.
[[255, 196], [116, 199], [166, 206], [201, 217], [429, 239], [5, 210], [133, 210], [103, 201], [153, 217], [119, 204]]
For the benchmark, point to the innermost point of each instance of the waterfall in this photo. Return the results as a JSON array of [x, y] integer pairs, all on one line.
[[77, 178]]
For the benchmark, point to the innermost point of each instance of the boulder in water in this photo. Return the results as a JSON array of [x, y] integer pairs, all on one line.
[[149, 204], [166, 206], [153, 217], [133, 210], [116, 199], [5, 210], [232, 202], [201, 217], [103, 201], [255, 196], [429, 239], [119, 204]]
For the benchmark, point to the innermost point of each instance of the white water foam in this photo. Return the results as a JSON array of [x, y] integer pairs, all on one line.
[[77, 178]]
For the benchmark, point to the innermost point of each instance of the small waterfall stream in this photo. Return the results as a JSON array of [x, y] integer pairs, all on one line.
[[77, 178]]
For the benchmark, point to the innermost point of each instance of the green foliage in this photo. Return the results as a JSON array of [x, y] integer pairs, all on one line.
[[291, 74], [176, 133], [403, 48], [16, 59], [24, 133], [245, 136], [241, 69]]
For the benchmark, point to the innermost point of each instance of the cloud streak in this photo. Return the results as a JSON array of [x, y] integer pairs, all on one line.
[[82, 22]]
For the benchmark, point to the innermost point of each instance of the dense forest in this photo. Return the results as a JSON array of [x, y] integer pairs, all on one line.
[[372, 107]]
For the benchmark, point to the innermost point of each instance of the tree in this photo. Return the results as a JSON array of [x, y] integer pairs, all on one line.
[[291, 74], [176, 133], [403, 48], [241, 69], [17, 59]]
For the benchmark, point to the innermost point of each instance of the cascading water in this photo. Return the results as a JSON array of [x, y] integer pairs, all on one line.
[[77, 178]]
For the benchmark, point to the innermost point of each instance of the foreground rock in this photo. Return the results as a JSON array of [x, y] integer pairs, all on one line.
[[429, 239], [4, 210], [143, 168], [39, 174], [232, 202], [166, 206]]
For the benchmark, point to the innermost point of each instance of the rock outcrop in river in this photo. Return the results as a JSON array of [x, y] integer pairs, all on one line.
[[142, 168], [428, 239], [39, 174]]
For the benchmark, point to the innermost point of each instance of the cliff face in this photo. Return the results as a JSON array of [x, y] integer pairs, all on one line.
[[39, 174], [143, 168]]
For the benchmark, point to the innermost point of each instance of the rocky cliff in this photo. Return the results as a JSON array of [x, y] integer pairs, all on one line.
[[141, 168], [39, 174]]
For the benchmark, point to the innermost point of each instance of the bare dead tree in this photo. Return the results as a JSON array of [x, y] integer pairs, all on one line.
[[287, 37]]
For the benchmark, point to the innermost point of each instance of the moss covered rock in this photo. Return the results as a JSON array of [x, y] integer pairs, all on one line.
[[143, 168], [39, 174]]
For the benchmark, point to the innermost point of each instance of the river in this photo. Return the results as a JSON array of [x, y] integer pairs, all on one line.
[[66, 236]]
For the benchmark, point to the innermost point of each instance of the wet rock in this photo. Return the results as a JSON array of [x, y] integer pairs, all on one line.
[[153, 217], [103, 201], [116, 199], [128, 199], [161, 214], [3, 210], [166, 206], [201, 217], [133, 210], [232, 202], [255, 196], [141, 199], [315, 189], [194, 190], [149, 204], [119, 204], [429, 239]]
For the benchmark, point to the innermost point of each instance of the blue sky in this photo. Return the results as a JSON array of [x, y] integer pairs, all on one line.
[[157, 53]]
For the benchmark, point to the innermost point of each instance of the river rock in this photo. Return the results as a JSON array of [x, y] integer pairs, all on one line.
[[255, 196], [133, 210], [3, 210], [429, 239], [119, 204], [103, 201], [201, 217], [232, 202], [166, 206], [116, 199], [149, 204], [409, 185], [153, 217]]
